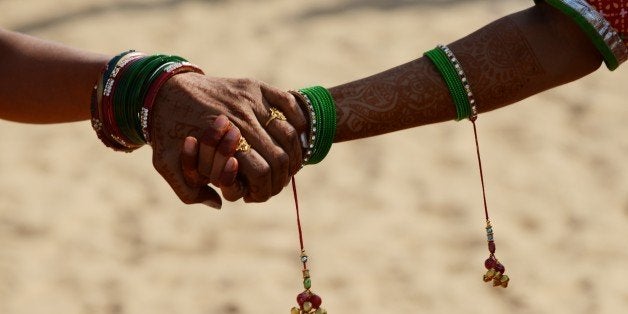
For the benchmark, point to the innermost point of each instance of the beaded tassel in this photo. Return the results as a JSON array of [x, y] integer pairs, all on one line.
[[457, 81], [495, 269], [308, 301]]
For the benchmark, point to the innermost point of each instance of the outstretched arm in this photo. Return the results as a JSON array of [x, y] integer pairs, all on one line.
[[508, 60], [45, 82]]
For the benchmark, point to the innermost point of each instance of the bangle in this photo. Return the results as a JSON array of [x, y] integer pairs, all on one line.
[[304, 102], [124, 94], [107, 104], [322, 111], [596, 27], [456, 80], [149, 100]]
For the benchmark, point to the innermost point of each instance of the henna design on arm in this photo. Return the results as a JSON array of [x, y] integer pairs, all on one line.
[[508, 60]]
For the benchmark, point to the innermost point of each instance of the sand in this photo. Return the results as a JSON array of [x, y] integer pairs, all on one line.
[[393, 224]]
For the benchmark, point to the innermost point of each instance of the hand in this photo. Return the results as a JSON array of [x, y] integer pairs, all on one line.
[[188, 103], [220, 140]]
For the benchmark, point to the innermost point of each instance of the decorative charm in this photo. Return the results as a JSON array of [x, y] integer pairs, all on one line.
[[308, 301], [495, 269]]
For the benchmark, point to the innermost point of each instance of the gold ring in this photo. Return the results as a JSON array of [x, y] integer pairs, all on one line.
[[275, 114], [243, 146]]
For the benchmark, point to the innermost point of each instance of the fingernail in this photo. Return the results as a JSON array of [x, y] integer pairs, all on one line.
[[221, 122], [231, 164], [212, 204], [303, 137], [188, 145]]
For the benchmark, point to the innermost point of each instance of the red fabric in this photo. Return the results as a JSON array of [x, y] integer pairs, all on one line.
[[616, 12]]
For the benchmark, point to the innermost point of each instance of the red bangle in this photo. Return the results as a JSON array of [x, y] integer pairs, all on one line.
[[106, 105], [97, 123], [151, 94]]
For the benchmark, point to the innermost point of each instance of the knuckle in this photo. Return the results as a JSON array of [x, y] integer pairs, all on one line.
[[282, 160], [292, 136], [187, 199], [262, 172], [261, 197], [231, 197]]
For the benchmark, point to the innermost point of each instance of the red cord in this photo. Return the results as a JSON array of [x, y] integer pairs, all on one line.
[[477, 149], [296, 206]]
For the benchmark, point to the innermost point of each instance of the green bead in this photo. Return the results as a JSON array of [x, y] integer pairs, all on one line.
[[307, 283]]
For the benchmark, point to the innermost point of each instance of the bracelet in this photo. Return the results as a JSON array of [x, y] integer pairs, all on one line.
[[456, 80], [322, 112], [101, 109], [597, 28], [107, 107], [307, 143], [124, 94]]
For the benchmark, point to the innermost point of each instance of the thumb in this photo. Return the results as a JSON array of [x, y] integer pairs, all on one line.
[[208, 196]]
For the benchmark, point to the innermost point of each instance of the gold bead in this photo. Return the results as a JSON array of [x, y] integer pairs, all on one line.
[[496, 279], [504, 281], [307, 306], [489, 275], [320, 311], [295, 310]]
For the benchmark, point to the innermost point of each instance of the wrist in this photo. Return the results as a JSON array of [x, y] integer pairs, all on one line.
[[125, 94]]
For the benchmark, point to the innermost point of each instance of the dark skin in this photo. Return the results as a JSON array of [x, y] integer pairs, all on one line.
[[506, 61], [46, 82]]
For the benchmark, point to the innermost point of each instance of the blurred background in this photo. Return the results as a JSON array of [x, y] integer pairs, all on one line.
[[392, 224]]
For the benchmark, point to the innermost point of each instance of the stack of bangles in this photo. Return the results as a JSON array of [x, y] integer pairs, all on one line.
[[319, 105], [124, 95]]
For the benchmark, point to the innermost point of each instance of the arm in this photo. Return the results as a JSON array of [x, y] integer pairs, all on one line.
[[508, 60], [45, 82]]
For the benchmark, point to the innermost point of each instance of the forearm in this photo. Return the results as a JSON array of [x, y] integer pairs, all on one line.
[[506, 61], [45, 82]]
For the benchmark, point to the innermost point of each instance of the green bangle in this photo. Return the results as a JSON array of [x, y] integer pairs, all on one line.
[[121, 102], [132, 90], [597, 28], [453, 80], [324, 127]]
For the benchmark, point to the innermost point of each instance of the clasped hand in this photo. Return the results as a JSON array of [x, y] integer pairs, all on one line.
[[196, 128]]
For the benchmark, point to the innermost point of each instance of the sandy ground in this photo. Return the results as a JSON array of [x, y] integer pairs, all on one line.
[[393, 224]]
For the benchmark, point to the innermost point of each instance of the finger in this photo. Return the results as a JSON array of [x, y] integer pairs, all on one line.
[[286, 136], [209, 141], [229, 173], [169, 164], [255, 175], [277, 158], [208, 196], [270, 152], [224, 151], [287, 103], [233, 191], [189, 162]]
